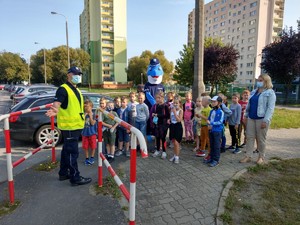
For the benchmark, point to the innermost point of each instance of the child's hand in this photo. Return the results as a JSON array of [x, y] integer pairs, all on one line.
[[236, 126], [112, 130]]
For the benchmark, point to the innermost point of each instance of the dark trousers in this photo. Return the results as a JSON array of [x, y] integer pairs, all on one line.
[[235, 137], [69, 154], [215, 143]]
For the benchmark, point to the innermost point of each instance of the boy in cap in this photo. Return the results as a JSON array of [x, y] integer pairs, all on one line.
[[215, 127]]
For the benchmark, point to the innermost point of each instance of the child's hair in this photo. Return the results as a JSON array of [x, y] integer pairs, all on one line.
[[160, 94], [88, 102], [171, 93], [110, 102], [178, 99], [246, 92], [124, 98], [236, 94], [188, 94], [117, 98], [199, 98], [141, 94], [102, 100], [132, 93], [207, 97]]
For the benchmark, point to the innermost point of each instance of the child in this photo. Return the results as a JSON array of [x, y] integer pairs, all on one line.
[[89, 133], [215, 126], [109, 134], [117, 102], [188, 114], [197, 124], [176, 130], [227, 113], [243, 102], [132, 106], [170, 98], [234, 122], [123, 134], [204, 137], [159, 117], [142, 114]]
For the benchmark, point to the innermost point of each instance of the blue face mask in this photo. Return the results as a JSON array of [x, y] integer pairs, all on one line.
[[76, 79], [260, 84]]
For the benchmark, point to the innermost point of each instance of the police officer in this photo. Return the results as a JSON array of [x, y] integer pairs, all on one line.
[[68, 107]]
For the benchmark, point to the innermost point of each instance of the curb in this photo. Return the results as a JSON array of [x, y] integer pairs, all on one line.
[[224, 194]]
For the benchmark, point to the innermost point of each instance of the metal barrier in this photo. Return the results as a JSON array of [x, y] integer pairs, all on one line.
[[10, 164], [135, 134]]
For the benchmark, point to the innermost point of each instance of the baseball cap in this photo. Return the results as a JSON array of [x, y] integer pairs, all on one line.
[[217, 98], [75, 70], [154, 61]]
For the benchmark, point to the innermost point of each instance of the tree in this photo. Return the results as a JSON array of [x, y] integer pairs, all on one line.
[[219, 64], [138, 65], [57, 64], [184, 68], [12, 67], [281, 59]]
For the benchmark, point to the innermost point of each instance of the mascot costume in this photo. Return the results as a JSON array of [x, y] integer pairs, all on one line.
[[155, 74]]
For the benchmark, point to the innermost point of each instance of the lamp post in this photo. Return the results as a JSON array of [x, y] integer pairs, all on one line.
[[45, 69], [67, 37]]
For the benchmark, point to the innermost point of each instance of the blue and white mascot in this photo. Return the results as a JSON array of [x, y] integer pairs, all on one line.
[[155, 74]]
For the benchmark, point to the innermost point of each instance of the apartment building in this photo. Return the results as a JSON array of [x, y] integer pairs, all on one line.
[[249, 25], [103, 34]]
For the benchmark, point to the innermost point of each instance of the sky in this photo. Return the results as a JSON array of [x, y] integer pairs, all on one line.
[[151, 25]]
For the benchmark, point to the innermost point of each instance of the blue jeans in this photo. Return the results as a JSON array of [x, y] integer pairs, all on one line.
[[215, 143], [69, 155], [142, 126]]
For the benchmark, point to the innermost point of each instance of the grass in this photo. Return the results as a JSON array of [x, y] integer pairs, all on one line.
[[268, 194], [284, 118], [6, 207], [110, 187], [47, 166]]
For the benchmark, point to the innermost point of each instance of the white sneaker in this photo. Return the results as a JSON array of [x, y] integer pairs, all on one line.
[[172, 159], [176, 160], [164, 155], [156, 153]]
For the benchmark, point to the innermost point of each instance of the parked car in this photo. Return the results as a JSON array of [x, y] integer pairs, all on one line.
[[35, 126], [25, 90], [2, 86], [17, 99]]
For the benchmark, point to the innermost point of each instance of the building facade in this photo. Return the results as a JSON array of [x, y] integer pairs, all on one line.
[[249, 25], [103, 34]]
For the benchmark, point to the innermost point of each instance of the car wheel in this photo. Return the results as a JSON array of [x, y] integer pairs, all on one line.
[[43, 134]]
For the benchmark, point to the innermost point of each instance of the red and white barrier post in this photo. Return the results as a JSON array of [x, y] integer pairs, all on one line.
[[132, 180], [100, 140], [10, 177]]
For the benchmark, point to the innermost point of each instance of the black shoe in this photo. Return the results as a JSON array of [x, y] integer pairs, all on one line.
[[231, 147], [222, 150], [256, 151], [65, 177], [111, 159], [81, 181]]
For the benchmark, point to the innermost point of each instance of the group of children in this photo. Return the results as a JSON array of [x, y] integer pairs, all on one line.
[[204, 123]]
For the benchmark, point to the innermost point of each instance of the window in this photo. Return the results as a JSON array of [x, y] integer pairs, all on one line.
[[222, 24], [241, 57], [251, 31], [222, 31], [249, 56], [253, 4], [216, 4], [238, 29], [244, 8], [216, 19], [243, 24], [251, 39], [223, 9], [216, 12], [241, 65], [249, 64], [250, 48], [253, 13], [224, 1], [223, 16], [249, 73], [251, 22], [239, 12], [241, 73], [242, 41]]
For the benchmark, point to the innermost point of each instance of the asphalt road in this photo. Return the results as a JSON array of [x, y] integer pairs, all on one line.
[[44, 199]]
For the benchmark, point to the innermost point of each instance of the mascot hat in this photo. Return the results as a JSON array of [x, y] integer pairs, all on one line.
[[154, 69]]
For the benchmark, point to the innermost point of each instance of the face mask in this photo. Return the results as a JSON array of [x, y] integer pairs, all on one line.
[[76, 79], [260, 84], [108, 109]]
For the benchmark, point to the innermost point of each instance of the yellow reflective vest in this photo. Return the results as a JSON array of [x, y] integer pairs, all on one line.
[[71, 118]]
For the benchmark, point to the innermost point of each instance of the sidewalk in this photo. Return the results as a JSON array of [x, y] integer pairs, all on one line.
[[167, 193]]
